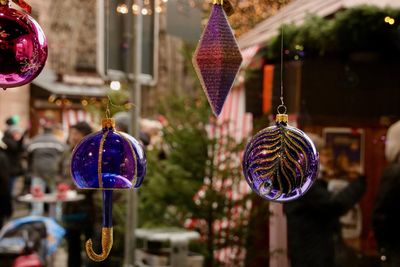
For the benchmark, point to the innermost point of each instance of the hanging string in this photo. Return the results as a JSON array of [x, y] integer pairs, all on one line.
[[108, 112], [110, 103], [282, 32], [107, 32], [282, 105]]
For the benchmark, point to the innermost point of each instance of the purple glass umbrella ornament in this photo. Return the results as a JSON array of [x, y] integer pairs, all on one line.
[[280, 163], [217, 58], [23, 46], [107, 160]]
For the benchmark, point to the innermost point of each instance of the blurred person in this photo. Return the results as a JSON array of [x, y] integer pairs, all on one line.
[[5, 196], [314, 234], [122, 122], [14, 140], [78, 217], [45, 153], [386, 215]]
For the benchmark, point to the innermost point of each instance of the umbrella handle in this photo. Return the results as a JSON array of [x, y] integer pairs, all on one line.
[[106, 245], [106, 232]]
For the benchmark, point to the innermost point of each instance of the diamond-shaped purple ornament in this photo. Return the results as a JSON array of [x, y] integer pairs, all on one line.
[[217, 59]]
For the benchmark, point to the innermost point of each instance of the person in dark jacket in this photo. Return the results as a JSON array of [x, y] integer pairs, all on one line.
[[5, 196], [122, 122], [78, 218], [313, 221], [13, 139], [386, 213]]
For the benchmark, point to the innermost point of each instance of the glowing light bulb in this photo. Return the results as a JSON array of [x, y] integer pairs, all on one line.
[[389, 20], [122, 9], [115, 85], [158, 9]]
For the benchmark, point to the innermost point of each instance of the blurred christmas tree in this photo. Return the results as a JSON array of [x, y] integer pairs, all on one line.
[[185, 188], [176, 167]]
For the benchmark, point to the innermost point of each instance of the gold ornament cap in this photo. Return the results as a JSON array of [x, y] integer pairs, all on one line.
[[282, 118], [4, 2], [108, 123], [226, 5], [218, 2]]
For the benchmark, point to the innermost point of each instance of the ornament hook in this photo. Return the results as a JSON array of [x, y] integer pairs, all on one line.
[[218, 2], [106, 245], [126, 106], [279, 109]]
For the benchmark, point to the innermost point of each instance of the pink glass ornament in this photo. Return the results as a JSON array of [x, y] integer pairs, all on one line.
[[23, 48]]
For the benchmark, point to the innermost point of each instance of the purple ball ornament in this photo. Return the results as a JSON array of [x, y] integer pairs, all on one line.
[[280, 163], [23, 46], [107, 160]]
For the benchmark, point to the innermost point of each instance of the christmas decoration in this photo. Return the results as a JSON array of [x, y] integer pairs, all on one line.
[[280, 162], [107, 160], [217, 58], [23, 46]]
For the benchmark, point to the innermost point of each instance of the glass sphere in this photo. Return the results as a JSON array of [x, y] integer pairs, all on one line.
[[23, 48], [108, 160], [280, 163]]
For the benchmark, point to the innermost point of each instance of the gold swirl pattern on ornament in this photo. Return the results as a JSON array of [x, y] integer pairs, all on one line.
[[270, 139], [279, 159], [298, 166], [286, 177], [262, 161], [269, 135], [302, 151], [280, 192], [299, 147], [292, 171], [297, 138], [269, 174], [267, 149]]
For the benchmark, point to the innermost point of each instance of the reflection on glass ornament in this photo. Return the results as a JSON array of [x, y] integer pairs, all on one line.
[[217, 58], [23, 46], [280, 162], [107, 160]]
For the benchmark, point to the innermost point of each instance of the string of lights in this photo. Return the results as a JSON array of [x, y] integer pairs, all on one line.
[[147, 9], [247, 12]]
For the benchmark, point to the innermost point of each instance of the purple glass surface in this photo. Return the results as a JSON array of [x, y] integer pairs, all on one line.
[[280, 163], [123, 161], [23, 48], [217, 59]]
